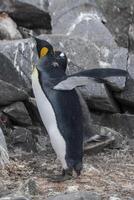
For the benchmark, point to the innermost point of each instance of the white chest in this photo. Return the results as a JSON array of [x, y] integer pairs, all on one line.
[[49, 119]]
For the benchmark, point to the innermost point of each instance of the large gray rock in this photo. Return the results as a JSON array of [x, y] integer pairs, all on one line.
[[8, 28], [77, 196], [122, 123], [10, 93], [18, 113], [26, 14], [16, 59], [119, 15], [72, 17]]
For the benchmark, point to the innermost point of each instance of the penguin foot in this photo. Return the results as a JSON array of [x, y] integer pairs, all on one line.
[[66, 175]]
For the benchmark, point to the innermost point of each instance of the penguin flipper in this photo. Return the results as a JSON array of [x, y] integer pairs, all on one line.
[[83, 78]]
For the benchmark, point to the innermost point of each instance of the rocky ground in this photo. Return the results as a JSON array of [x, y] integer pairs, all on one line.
[[109, 174], [92, 33]]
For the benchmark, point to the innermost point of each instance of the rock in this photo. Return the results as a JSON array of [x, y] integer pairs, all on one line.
[[41, 137], [114, 198], [33, 112], [131, 38], [71, 18], [14, 197], [4, 157], [119, 15], [77, 196], [130, 67], [18, 113], [108, 138], [30, 187], [7, 68], [98, 98], [8, 28], [23, 140], [122, 123], [41, 4], [26, 14], [18, 57], [126, 97], [10, 93]]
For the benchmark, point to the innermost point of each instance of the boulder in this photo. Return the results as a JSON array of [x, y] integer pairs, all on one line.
[[77, 196], [119, 15], [10, 93], [26, 14], [17, 58], [18, 113], [71, 18], [8, 28]]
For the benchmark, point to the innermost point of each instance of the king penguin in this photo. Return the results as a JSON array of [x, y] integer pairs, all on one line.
[[60, 112], [59, 105]]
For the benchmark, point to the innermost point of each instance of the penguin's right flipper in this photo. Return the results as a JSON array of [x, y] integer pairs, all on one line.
[[82, 78]]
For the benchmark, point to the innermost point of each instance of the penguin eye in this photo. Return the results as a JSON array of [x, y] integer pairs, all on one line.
[[43, 52]]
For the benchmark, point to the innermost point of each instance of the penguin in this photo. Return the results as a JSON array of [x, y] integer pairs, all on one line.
[[60, 112], [59, 105]]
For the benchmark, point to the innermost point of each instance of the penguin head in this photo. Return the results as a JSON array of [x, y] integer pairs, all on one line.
[[43, 48], [61, 59]]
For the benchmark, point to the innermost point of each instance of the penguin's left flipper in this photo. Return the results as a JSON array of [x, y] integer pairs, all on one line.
[[82, 78]]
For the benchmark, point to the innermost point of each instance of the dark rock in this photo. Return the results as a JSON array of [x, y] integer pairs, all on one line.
[[10, 93], [41, 137], [9, 73], [33, 111], [22, 55], [122, 123], [26, 14], [41, 4], [119, 15], [8, 28], [18, 113], [23, 139], [77, 196], [126, 97]]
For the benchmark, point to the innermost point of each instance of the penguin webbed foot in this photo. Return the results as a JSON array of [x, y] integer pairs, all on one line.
[[66, 175]]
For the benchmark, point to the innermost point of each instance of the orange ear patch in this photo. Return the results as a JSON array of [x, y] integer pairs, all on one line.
[[43, 52]]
